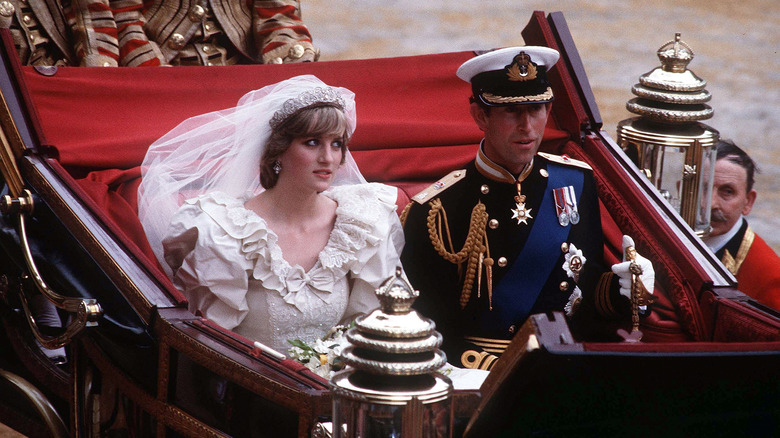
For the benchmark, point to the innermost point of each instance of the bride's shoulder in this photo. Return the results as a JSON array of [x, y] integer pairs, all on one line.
[[367, 209], [369, 195], [217, 211]]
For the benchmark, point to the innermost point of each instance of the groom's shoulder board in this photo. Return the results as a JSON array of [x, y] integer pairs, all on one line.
[[565, 160], [439, 186]]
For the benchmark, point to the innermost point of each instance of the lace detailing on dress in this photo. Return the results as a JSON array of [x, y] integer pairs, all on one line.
[[361, 222], [285, 302], [358, 221]]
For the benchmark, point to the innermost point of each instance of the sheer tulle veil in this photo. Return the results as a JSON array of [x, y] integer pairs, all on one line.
[[221, 151]]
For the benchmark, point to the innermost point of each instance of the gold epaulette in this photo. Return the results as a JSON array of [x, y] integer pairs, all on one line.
[[439, 186], [563, 159]]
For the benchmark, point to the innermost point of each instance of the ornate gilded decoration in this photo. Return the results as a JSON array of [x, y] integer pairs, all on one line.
[[667, 142], [671, 92], [521, 69], [388, 340]]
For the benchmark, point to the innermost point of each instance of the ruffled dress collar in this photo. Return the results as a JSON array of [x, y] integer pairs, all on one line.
[[352, 232]]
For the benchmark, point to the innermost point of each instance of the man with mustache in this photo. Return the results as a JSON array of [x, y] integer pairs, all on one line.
[[517, 232], [743, 252]]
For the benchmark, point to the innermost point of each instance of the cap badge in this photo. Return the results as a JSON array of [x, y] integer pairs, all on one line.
[[521, 68]]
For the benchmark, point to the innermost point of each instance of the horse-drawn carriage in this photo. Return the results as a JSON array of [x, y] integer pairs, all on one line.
[[139, 362]]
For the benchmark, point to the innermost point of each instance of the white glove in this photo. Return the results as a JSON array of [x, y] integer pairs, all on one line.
[[622, 270]]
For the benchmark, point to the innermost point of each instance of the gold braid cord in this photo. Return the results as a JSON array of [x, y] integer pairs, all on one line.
[[405, 213], [473, 248]]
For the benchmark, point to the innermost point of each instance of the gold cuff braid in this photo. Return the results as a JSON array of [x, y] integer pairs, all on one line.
[[478, 360]]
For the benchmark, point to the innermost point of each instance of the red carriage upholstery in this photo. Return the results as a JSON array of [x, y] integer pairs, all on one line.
[[413, 127]]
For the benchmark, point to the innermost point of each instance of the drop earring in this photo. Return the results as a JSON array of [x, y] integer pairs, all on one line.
[[277, 167]]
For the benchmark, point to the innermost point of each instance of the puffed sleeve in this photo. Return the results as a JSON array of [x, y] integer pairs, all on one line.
[[208, 266], [376, 263]]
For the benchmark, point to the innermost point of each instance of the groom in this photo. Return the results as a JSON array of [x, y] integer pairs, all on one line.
[[517, 232]]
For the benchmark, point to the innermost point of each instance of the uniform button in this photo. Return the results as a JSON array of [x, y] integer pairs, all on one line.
[[564, 247], [502, 261], [206, 49], [197, 13], [493, 224], [564, 286], [277, 61], [208, 27], [26, 19], [106, 64], [176, 42], [484, 189], [512, 329], [544, 173]]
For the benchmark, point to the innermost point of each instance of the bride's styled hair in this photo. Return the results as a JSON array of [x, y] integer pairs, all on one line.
[[313, 121], [222, 151]]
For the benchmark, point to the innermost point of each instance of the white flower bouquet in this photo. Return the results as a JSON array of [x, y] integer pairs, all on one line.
[[323, 356]]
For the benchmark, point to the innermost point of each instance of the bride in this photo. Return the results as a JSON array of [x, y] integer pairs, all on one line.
[[261, 218]]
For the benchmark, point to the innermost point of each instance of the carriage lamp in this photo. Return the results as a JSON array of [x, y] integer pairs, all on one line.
[[390, 387], [667, 141]]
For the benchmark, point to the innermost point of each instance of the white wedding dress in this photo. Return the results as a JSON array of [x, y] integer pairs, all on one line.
[[228, 264]]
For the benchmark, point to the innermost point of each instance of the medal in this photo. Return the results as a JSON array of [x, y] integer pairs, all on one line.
[[566, 206], [521, 213], [563, 219], [574, 217], [571, 205]]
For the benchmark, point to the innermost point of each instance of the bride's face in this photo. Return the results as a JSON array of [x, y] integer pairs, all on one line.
[[312, 162]]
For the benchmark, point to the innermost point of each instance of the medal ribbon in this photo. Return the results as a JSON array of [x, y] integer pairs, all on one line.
[[515, 295]]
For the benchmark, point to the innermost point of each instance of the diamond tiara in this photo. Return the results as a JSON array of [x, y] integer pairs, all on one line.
[[306, 99]]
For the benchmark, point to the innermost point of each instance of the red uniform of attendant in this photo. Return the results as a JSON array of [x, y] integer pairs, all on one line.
[[755, 264]]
